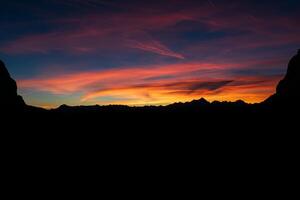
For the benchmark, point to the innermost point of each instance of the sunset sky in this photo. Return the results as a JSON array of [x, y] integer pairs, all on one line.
[[147, 52]]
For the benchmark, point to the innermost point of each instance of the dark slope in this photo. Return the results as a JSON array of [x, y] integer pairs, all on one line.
[[288, 90], [9, 99]]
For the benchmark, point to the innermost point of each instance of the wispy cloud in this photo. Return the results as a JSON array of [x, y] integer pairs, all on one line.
[[154, 47], [97, 33]]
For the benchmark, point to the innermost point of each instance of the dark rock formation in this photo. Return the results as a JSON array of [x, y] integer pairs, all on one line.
[[288, 89], [9, 99]]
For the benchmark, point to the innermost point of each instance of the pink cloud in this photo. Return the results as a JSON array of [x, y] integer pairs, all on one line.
[[74, 82]]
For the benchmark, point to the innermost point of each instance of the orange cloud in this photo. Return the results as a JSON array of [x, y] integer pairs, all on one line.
[[158, 93], [163, 94], [158, 84]]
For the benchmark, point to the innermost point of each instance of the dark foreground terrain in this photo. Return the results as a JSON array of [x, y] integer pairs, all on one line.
[[231, 147]]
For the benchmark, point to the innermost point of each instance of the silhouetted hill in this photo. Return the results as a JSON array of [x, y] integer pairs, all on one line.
[[9, 99], [288, 90]]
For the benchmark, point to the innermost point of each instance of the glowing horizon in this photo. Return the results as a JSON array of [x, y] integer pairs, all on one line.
[[159, 85]]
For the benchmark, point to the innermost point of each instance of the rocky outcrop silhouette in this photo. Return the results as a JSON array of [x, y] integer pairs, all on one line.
[[9, 99], [288, 89]]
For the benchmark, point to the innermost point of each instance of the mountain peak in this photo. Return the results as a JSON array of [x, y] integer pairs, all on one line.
[[203, 101], [241, 102]]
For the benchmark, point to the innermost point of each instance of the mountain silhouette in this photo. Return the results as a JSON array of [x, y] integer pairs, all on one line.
[[288, 90], [9, 99]]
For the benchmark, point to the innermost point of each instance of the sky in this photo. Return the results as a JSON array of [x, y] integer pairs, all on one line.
[[150, 52]]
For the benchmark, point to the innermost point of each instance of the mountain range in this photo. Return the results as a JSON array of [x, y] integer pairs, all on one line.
[[286, 98]]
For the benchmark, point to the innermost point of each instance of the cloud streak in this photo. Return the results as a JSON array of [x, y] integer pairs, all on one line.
[[155, 47]]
